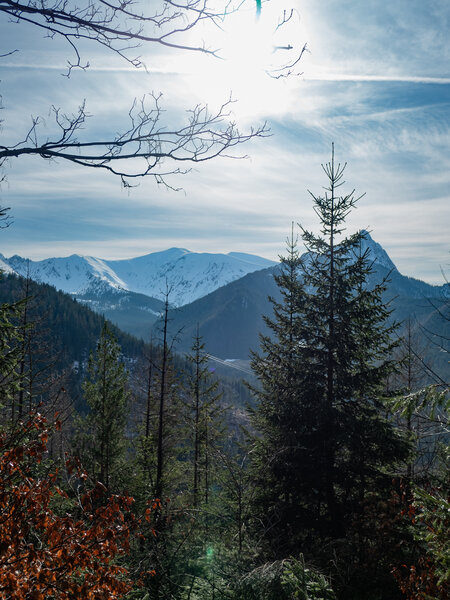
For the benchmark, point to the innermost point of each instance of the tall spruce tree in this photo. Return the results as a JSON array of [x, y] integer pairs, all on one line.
[[10, 359], [203, 418], [279, 416], [324, 443], [102, 438]]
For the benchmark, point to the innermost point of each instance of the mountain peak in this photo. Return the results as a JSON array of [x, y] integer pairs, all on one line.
[[252, 259], [176, 251], [376, 252]]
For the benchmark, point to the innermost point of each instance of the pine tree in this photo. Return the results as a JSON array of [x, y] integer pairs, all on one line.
[[202, 416], [106, 394], [146, 439], [280, 417], [10, 358], [325, 445]]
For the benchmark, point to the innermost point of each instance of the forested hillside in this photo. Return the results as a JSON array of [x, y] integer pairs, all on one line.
[[231, 318], [71, 328]]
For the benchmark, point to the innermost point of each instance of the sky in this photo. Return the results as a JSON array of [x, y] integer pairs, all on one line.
[[375, 80]]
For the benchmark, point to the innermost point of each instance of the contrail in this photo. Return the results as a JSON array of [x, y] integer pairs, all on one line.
[[386, 78], [98, 69]]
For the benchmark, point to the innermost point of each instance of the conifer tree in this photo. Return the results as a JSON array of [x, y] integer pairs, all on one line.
[[10, 357], [324, 442], [202, 418], [280, 418], [106, 394]]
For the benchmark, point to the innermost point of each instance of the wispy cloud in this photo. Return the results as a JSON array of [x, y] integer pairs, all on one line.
[[92, 68]]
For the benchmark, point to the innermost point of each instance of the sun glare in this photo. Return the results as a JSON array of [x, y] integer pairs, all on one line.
[[251, 49]]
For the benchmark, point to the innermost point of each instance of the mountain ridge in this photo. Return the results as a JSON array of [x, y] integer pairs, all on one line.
[[230, 313], [230, 319], [190, 275]]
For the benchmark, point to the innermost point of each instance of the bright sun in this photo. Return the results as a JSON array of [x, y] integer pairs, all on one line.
[[250, 49]]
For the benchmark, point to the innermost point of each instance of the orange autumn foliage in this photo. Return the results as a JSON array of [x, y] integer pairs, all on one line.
[[429, 577], [44, 555], [420, 582]]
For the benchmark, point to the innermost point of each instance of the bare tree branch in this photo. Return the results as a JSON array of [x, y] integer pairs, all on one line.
[[144, 148], [288, 69], [5, 219], [119, 25]]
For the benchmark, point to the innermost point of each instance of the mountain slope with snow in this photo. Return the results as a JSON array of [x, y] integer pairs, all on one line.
[[229, 291], [376, 253], [188, 275], [72, 274], [230, 320]]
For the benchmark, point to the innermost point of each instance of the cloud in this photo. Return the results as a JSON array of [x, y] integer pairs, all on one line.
[[401, 38]]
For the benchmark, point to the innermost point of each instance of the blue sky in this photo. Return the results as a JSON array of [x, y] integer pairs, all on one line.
[[376, 81]]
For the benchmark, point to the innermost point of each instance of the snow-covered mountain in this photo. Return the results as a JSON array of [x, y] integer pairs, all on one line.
[[377, 253], [189, 275], [73, 274], [4, 267], [225, 293], [231, 318]]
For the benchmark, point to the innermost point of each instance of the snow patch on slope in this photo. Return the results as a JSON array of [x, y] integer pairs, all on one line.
[[73, 274], [188, 275], [4, 266], [376, 253]]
